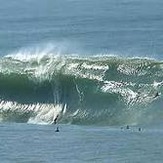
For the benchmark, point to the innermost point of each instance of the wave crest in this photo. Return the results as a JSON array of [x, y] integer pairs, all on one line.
[[95, 90]]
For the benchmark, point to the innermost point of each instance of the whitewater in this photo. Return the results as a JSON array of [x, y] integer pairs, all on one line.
[[93, 69], [106, 90]]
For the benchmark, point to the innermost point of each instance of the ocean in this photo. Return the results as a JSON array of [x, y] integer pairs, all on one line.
[[92, 68]]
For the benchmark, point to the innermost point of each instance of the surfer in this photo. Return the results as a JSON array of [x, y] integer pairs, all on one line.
[[57, 130], [156, 95], [55, 120], [127, 127]]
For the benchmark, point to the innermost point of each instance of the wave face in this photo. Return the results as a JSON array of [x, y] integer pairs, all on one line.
[[100, 90]]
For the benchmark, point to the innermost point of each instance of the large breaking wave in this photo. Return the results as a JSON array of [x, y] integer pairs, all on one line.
[[102, 90]]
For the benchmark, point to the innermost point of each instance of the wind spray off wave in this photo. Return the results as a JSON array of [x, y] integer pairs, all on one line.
[[101, 90]]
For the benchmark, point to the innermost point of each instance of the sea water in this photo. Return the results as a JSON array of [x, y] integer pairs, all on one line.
[[94, 65], [35, 143], [126, 28]]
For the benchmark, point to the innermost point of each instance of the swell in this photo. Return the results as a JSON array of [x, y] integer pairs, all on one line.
[[94, 90]]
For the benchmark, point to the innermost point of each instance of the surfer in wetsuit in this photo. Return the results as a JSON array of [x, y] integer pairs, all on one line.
[[139, 129], [55, 120], [57, 130], [156, 95], [127, 127]]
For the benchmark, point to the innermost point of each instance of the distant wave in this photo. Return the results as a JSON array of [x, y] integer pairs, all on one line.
[[101, 90]]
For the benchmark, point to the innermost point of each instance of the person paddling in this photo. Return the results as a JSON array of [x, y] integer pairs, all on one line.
[[57, 130]]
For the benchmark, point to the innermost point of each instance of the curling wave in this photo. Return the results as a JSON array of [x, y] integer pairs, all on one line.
[[101, 90]]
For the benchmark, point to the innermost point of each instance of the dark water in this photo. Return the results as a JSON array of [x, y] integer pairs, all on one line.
[[93, 64]]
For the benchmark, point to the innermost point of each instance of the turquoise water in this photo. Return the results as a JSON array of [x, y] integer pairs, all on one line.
[[96, 65]]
